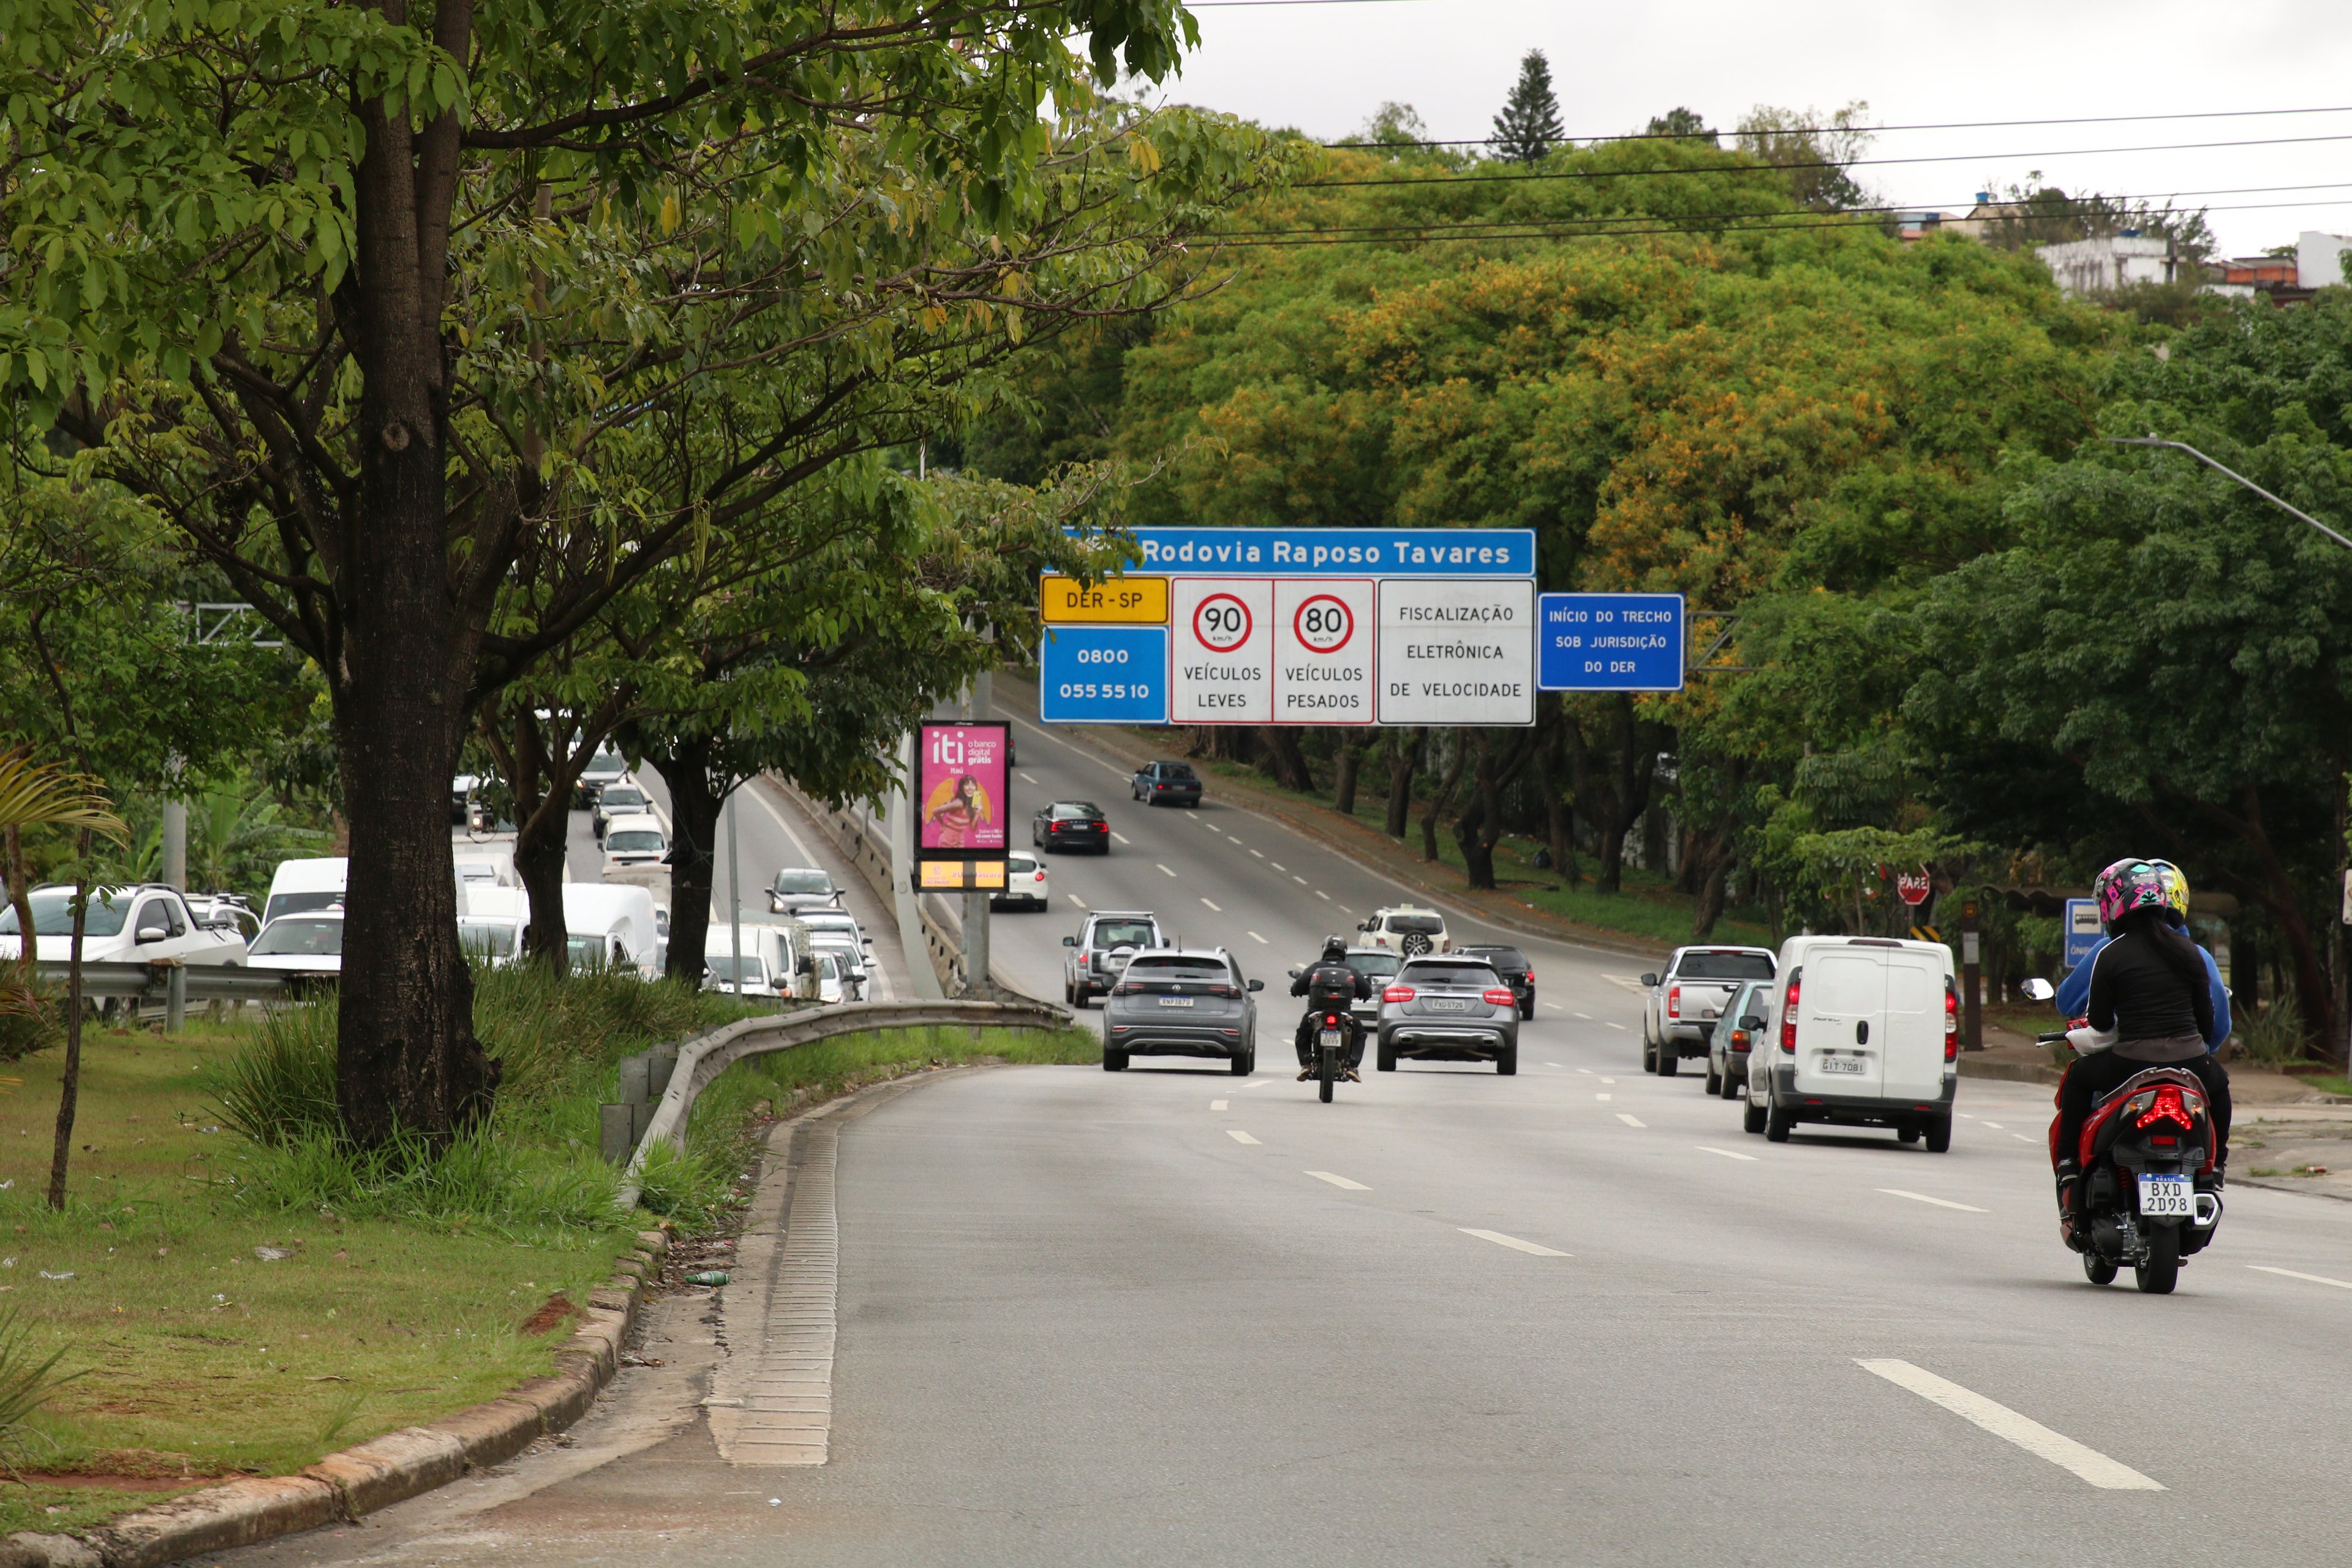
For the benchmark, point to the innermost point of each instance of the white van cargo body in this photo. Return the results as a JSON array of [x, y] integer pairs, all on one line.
[[298, 885], [612, 925], [490, 920], [1864, 1032]]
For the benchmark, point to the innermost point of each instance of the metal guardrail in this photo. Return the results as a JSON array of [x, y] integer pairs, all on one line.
[[701, 1060], [206, 981]]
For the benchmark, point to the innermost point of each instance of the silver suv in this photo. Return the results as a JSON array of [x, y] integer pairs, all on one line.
[[1101, 950], [1679, 1016], [1171, 1003], [1449, 1009]]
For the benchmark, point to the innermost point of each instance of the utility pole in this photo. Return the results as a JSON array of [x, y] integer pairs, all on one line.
[[734, 896]]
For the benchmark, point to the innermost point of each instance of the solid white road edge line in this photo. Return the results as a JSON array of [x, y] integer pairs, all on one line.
[[2008, 1425], [1726, 1154], [1629, 1121], [2292, 1274], [1238, 1136], [1939, 1203], [1500, 1239], [1339, 1181]]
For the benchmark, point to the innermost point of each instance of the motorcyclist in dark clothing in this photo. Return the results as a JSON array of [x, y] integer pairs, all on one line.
[[2148, 986], [1330, 986]]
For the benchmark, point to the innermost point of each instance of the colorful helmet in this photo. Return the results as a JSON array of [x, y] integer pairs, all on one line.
[[2176, 886], [2125, 885]]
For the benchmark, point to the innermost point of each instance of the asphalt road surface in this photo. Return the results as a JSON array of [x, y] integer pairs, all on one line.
[[1572, 1317]]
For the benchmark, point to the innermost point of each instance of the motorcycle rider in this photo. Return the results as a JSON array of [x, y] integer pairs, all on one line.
[[2075, 991], [1329, 986], [2149, 988]]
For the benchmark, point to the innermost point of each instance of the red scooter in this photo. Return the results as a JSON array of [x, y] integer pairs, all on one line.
[[2147, 1195]]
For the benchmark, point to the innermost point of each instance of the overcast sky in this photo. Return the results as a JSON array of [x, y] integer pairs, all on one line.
[[1325, 67]]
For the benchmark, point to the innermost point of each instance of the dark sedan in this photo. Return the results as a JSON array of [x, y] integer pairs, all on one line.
[[1167, 784], [1071, 824], [1516, 973]]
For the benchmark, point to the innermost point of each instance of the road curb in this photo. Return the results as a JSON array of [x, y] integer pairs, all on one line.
[[379, 1472], [2009, 1072]]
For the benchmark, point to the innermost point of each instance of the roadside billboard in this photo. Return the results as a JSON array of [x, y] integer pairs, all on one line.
[[962, 791]]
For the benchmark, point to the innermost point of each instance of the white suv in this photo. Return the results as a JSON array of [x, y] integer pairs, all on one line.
[[1408, 930]]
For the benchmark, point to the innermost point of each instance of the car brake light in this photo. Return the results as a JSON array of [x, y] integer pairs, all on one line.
[[1502, 996], [1951, 1025], [1788, 1011], [1122, 989], [2168, 1108], [1397, 994], [1228, 991], [1673, 1002]]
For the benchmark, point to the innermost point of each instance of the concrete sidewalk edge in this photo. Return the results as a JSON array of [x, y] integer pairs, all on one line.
[[377, 1473]]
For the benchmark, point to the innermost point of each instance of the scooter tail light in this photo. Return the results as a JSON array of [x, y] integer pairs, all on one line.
[[2168, 1107], [1502, 996], [1397, 994], [1788, 1011]]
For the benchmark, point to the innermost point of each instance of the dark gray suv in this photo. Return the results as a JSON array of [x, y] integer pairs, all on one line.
[[1171, 1003], [1443, 1008]]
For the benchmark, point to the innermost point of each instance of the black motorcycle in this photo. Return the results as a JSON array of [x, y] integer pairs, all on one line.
[[2147, 1195], [1333, 1045]]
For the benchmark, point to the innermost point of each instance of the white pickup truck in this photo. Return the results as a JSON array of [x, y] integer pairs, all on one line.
[[130, 924], [1678, 1016]]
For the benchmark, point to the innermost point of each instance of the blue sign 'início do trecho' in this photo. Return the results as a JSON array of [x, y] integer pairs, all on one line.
[[1609, 642]]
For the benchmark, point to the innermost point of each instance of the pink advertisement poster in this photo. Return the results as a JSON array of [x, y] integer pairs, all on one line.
[[961, 771]]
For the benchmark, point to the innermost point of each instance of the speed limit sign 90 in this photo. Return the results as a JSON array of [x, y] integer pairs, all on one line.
[[1323, 623], [1222, 622]]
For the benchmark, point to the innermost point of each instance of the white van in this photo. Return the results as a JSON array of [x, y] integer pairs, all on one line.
[[1864, 1032], [490, 920], [612, 925], [298, 885]]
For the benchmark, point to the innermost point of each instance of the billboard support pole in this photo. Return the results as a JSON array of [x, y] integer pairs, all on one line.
[[976, 900]]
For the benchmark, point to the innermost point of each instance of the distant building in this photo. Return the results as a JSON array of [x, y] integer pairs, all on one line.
[[2110, 262]]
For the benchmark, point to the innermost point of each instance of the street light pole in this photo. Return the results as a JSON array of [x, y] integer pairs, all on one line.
[[2152, 440]]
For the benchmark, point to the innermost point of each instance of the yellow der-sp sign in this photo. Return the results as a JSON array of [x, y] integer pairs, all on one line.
[[1123, 601]]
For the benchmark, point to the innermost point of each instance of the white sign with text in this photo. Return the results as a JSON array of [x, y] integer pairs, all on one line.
[[1457, 651], [1223, 644], [1323, 641]]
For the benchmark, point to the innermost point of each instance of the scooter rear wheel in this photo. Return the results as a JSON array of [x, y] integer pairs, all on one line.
[[2162, 1272], [2098, 1270]]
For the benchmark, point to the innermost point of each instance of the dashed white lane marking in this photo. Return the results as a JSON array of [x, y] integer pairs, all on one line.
[[1213, 907], [1965, 1116], [1608, 1080], [1617, 1026], [1995, 1126], [1259, 853], [1555, 1064], [1629, 1121], [1500, 1239], [1230, 837], [1586, 1016], [1028, 778], [2290, 1274], [1586, 1070], [2021, 1137], [1257, 939], [1238, 1136], [1218, 1104], [1257, 1083], [1345, 909], [1555, 1006], [2008, 1426], [1322, 895], [1339, 1181], [1075, 899], [1601, 1097], [1726, 1154], [1939, 1203], [1163, 868], [1302, 881], [1278, 864], [1121, 837]]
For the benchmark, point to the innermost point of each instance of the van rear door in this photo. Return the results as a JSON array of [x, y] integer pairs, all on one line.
[[1840, 1022], [1913, 1057]]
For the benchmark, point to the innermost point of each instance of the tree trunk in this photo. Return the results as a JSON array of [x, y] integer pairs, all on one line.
[[1709, 907], [694, 807], [1343, 787], [1290, 770], [2245, 966], [1473, 830], [20, 897], [1442, 798], [1404, 761], [1611, 796], [540, 849], [70, 1085]]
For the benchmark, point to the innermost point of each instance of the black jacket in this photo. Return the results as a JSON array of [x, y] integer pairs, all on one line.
[[2137, 992]]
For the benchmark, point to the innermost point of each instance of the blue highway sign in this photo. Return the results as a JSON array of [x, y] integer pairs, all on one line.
[[1609, 642], [2083, 929], [1103, 675]]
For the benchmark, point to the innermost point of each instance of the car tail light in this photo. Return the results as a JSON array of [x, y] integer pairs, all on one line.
[[1788, 1011], [1397, 994], [1122, 989], [1673, 1002], [1951, 1025], [1228, 991], [1502, 996], [2168, 1107], [1531, 975]]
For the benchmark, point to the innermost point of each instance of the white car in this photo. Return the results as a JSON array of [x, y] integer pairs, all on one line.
[[761, 975], [123, 925], [635, 840], [847, 955], [610, 925], [310, 942], [832, 984], [622, 797], [309, 884], [1025, 887], [852, 942], [490, 920], [1408, 930]]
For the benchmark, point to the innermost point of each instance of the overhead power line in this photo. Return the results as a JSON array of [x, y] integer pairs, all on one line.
[[1827, 129], [1612, 226], [1821, 164]]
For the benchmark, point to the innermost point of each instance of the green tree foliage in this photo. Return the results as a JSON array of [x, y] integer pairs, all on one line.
[[1528, 127], [436, 333], [1817, 152]]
